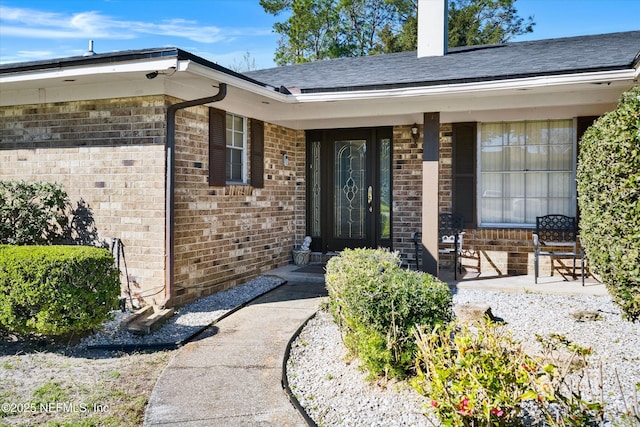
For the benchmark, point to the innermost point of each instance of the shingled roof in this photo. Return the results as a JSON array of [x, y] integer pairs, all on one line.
[[605, 52]]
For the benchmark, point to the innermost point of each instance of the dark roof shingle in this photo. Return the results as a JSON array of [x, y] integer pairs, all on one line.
[[467, 64]]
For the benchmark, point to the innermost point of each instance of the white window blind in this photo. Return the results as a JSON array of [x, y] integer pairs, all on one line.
[[236, 148], [527, 169]]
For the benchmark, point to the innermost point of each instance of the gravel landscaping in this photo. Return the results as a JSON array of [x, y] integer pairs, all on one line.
[[334, 392], [187, 320]]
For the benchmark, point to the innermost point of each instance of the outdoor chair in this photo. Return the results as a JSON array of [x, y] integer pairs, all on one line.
[[556, 236], [450, 236]]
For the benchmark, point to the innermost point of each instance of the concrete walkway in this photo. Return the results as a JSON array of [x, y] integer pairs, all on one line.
[[231, 375]]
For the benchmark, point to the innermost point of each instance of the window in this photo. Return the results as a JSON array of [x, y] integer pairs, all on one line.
[[527, 169], [228, 149], [236, 148]]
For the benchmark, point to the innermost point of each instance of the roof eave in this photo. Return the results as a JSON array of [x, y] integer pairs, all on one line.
[[83, 61], [453, 88], [237, 80], [35, 74]]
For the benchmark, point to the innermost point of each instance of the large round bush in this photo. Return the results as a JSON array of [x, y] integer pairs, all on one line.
[[377, 305], [609, 199], [56, 290]]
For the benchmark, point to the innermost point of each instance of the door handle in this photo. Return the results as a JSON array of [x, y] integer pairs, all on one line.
[[370, 198]]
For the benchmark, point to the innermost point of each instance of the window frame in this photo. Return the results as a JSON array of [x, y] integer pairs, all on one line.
[[481, 223], [229, 146]]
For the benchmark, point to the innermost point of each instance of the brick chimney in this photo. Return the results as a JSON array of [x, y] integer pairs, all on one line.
[[433, 18]]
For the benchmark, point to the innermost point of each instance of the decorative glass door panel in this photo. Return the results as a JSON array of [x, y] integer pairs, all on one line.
[[350, 189], [384, 191]]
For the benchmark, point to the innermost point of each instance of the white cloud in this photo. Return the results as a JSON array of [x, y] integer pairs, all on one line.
[[26, 55], [30, 23], [37, 54]]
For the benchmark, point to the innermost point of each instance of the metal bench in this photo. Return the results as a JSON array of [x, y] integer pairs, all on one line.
[[557, 236]]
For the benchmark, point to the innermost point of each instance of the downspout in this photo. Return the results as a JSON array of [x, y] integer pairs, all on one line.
[[170, 183]]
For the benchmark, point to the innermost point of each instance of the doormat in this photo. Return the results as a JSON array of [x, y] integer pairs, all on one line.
[[311, 269]]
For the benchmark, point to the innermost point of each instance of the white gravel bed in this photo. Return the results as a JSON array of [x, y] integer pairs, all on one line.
[[334, 391], [187, 320]]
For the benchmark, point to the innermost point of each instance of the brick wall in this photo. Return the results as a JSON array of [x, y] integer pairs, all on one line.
[[109, 156], [407, 192], [228, 235], [501, 252]]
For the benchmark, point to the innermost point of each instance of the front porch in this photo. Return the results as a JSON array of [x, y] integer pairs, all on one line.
[[553, 285]]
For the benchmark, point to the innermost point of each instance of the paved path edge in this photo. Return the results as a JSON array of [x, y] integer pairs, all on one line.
[[285, 381]]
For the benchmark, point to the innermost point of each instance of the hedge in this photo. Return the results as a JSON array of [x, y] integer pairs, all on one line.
[[609, 198], [377, 306], [56, 290]]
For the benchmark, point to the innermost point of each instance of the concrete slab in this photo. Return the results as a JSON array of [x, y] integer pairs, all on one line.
[[231, 374], [555, 285], [195, 393]]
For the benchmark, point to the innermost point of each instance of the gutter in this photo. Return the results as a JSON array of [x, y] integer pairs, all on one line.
[[170, 183], [238, 81]]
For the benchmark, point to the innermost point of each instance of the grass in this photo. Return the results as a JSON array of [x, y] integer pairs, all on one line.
[[49, 388]]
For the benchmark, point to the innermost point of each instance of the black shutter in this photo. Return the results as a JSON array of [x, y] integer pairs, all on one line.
[[583, 125], [257, 153], [217, 147], [464, 172]]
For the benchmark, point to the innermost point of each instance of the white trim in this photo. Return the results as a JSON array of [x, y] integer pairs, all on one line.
[[267, 91], [70, 72], [603, 77]]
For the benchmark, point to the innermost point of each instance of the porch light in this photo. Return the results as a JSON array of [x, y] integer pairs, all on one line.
[[414, 132]]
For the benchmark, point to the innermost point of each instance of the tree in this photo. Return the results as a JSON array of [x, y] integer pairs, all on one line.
[[310, 33], [609, 198], [324, 29], [476, 22]]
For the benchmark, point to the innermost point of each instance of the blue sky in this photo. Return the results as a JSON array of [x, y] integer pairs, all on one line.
[[224, 31]]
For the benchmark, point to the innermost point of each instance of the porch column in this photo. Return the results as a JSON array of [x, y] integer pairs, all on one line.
[[430, 199]]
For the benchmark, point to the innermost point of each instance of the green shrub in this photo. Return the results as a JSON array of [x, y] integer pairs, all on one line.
[[480, 376], [377, 304], [33, 213], [609, 198], [56, 290]]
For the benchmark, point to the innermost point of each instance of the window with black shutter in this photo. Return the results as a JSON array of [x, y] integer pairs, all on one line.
[[228, 151]]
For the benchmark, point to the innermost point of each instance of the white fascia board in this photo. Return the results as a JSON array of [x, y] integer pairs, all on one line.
[[97, 69], [268, 91], [466, 88]]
